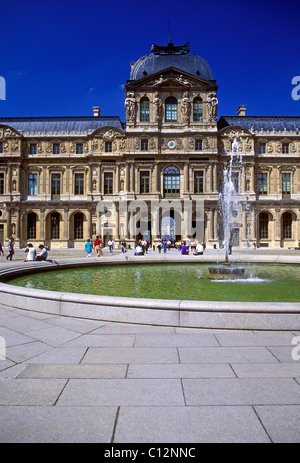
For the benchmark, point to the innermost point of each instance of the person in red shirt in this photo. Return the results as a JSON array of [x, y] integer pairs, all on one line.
[[97, 246]]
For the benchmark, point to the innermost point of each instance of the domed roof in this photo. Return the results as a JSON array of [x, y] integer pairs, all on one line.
[[163, 57]]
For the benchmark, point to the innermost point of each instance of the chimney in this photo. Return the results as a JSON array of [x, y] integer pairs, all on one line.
[[96, 111], [241, 111]]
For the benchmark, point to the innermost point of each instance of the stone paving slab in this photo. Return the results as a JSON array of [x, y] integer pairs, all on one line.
[[130, 392], [30, 391], [80, 371], [263, 370], [131, 355], [189, 425], [180, 371], [175, 340], [241, 391], [225, 355], [56, 424], [281, 422]]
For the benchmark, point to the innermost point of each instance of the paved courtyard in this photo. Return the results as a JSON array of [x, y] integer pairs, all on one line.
[[74, 380]]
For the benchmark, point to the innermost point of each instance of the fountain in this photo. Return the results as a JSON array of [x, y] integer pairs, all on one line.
[[230, 203]]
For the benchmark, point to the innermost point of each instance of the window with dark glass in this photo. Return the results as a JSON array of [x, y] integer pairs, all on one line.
[[79, 148], [55, 186], [56, 148], [171, 182], [108, 183], [285, 148], [1, 183], [198, 145], [32, 184], [171, 109], [198, 182], [144, 145], [235, 181], [261, 148], [263, 225], [54, 226], [286, 185], [78, 226], [31, 226], [144, 182], [144, 110], [197, 110], [79, 184], [108, 146], [1, 147], [262, 183], [287, 221], [33, 148]]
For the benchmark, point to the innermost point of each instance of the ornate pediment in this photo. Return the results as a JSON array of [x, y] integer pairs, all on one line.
[[171, 77], [8, 132]]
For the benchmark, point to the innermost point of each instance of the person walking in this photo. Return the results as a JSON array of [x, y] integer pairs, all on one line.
[[123, 246], [88, 247], [11, 251], [111, 246], [97, 245], [230, 247], [1, 249]]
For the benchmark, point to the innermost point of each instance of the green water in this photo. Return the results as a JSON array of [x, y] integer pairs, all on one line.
[[269, 283]]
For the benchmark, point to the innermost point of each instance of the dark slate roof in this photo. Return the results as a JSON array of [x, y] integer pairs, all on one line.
[[265, 123], [165, 57], [60, 126]]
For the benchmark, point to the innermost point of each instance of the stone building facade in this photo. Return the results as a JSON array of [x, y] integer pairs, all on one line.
[[66, 179]]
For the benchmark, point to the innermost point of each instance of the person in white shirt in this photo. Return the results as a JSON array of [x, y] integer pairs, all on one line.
[[31, 252]]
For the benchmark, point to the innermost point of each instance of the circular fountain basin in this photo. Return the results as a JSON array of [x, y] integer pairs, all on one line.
[[154, 311]]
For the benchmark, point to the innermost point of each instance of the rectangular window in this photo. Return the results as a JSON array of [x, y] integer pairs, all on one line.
[[1, 147], [79, 184], [56, 148], [286, 186], [235, 181], [285, 148], [1, 183], [108, 146], [144, 145], [198, 182], [261, 148], [33, 148], [79, 148], [55, 186], [198, 145], [108, 183], [144, 182], [262, 183], [32, 184]]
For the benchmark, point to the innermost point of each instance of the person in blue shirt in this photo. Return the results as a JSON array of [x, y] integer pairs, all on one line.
[[184, 249], [88, 247], [165, 245]]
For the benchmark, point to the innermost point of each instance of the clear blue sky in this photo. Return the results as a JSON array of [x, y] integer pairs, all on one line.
[[61, 58]]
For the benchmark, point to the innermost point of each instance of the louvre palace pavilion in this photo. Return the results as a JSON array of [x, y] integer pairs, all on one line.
[[66, 179]]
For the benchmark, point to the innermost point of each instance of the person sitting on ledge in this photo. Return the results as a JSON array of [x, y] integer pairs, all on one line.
[[198, 250], [139, 251], [184, 249], [31, 252], [42, 255]]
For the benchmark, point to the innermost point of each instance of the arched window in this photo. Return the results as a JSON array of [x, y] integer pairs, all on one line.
[[171, 109], [144, 110], [286, 225], [171, 182], [197, 110], [263, 226], [78, 226], [31, 226], [54, 226]]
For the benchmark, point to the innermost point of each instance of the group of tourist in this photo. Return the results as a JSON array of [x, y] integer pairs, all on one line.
[[96, 246], [165, 245], [32, 253]]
